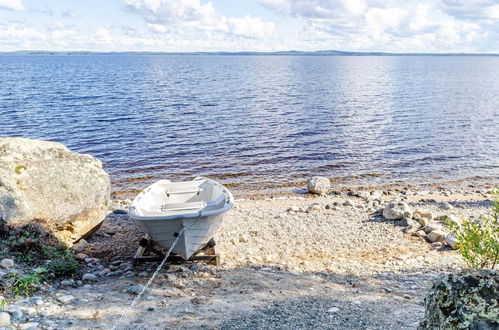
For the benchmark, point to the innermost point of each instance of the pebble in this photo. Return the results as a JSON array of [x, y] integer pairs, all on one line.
[[348, 203], [436, 235], [333, 310], [66, 299], [4, 318], [313, 208], [29, 326], [135, 289], [81, 256], [89, 277], [445, 206], [7, 263]]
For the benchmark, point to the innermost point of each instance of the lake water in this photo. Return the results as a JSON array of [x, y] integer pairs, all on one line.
[[261, 122]]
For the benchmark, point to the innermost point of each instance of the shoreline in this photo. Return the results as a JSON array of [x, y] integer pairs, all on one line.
[[306, 261], [299, 189]]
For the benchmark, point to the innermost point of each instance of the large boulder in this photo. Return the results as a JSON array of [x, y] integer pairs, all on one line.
[[318, 185], [463, 301], [45, 180], [397, 210]]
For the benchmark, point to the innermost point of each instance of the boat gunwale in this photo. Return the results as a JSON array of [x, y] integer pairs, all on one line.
[[229, 203]]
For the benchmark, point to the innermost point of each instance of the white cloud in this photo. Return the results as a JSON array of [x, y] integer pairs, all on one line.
[[12, 4], [471, 9], [165, 15]]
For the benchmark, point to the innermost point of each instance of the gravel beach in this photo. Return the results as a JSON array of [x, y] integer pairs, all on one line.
[[304, 262]]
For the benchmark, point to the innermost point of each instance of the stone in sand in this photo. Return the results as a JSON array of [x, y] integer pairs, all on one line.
[[451, 240], [45, 180], [396, 210], [318, 185], [436, 236]]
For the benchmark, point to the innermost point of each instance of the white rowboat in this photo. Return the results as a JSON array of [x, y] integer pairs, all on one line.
[[165, 207]]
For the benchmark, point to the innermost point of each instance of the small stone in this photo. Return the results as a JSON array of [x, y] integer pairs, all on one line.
[[29, 326], [419, 233], [7, 263], [81, 256], [348, 203], [318, 185], [120, 211], [445, 206], [135, 289], [423, 222], [80, 245], [409, 222], [436, 236], [313, 208], [89, 278], [333, 310], [199, 301], [294, 208], [66, 283], [104, 272], [396, 210], [243, 239], [17, 315], [65, 299], [281, 215], [451, 240], [4, 319]]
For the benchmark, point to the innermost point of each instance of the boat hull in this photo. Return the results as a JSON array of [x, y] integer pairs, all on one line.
[[199, 231]]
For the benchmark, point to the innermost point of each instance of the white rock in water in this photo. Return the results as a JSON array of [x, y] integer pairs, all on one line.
[[451, 240], [436, 236], [318, 185], [396, 210], [7, 263], [333, 310], [45, 180]]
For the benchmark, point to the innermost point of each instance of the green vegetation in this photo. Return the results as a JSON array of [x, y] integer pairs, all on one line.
[[37, 250], [478, 241], [26, 285]]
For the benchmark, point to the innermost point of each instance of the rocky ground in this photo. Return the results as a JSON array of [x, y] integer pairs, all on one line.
[[328, 262]]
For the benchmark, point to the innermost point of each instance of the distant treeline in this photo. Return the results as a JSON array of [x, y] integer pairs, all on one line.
[[278, 53]]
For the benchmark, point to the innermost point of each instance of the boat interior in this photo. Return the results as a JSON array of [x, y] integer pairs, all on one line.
[[165, 198]]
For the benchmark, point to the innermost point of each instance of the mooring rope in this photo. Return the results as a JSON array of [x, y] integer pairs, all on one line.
[[144, 289]]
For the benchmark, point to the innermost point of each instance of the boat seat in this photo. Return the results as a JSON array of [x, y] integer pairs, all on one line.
[[194, 189], [183, 206]]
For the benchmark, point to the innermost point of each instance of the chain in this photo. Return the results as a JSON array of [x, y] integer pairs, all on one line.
[[155, 273]]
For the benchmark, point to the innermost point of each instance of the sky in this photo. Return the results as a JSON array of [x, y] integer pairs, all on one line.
[[437, 26]]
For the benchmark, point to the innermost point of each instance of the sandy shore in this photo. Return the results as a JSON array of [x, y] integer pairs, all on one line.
[[329, 262]]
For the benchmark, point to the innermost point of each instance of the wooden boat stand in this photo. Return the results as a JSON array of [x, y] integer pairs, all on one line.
[[147, 246]]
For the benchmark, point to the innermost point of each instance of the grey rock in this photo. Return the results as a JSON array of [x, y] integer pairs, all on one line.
[[451, 240], [80, 245], [135, 289], [314, 208], [348, 203], [318, 185], [17, 315], [66, 299], [463, 301], [7, 263], [445, 206], [436, 236], [396, 210], [41, 179], [89, 278]]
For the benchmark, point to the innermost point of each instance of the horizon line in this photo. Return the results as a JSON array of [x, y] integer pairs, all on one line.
[[279, 52]]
